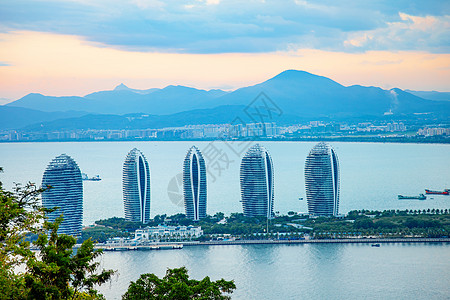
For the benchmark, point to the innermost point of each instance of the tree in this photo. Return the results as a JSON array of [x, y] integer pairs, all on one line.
[[20, 215], [176, 285], [58, 273], [219, 215], [364, 223], [54, 273]]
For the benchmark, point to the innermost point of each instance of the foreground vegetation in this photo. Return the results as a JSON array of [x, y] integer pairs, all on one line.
[[58, 270], [358, 223], [176, 285], [55, 271]]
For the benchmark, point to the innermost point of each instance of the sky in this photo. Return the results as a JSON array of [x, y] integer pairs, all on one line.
[[75, 47]]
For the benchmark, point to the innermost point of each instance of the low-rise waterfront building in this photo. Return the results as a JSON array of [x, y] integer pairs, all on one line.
[[165, 231]]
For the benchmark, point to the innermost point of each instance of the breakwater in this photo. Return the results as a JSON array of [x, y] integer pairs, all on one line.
[[323, 241]]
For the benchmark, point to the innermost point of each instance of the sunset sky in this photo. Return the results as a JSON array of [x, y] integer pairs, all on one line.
[[74, 47]]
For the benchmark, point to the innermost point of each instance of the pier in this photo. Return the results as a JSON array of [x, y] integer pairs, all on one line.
[[139, 247], [180, 245]]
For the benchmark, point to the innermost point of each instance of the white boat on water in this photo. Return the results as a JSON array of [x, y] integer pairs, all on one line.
[[84, 176]]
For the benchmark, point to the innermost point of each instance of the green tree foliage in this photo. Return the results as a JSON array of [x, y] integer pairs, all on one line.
[[363, 223], [119, 223], [176, 285], [219, 215], [101, 234], [20, 215], [56, 272], [418, 223]]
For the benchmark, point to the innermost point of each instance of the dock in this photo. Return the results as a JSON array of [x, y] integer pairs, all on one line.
[[139, 247]]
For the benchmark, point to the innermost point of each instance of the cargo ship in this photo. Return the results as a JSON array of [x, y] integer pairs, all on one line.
[[445, 192], [420, 197]]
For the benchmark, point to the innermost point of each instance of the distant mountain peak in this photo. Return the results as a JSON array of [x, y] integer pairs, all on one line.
[[34, 94], [296, 92], [292, 72], [121, 87], [299, 77]]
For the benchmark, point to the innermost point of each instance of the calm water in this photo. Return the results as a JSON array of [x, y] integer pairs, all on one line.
[[372, 175], [332, 271]]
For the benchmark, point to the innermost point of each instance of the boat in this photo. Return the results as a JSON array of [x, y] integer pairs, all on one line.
[[84, 176], [420, 197], [376, 245], [95, 178], [445, 192]]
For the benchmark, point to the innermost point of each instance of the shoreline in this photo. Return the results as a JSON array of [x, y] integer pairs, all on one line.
[[321, 241], [316, 139], [180, 245]]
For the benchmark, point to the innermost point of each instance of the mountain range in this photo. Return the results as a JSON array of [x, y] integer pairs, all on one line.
[[295, 95]]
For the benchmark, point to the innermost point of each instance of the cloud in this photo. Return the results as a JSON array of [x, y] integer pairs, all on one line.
[[214, 26], [429, 33], [382, 62], [68, 65], [148, 4]]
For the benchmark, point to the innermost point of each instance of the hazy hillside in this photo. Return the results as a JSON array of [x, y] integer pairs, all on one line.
[[122, 100], [431, 95], [18, 117], [51, 104], [308, 95], [297, 95], [217, 115]]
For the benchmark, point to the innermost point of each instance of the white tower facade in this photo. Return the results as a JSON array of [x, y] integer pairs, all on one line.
[[322, 181], [136, 187]]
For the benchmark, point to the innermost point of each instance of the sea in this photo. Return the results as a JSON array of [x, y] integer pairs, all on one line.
[[371, 177]]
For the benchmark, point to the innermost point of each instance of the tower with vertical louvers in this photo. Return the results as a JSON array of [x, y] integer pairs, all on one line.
[[194, 184], [136, 187], [257, 185], [322, 181], [64, 189]]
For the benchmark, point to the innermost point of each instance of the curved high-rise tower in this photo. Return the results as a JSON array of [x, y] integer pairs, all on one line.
[[194, 184], [322, 181], [257, 182], [64, 177], [136, 187]]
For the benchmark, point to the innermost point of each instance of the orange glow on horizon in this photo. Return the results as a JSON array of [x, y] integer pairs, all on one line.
[[58, 65]]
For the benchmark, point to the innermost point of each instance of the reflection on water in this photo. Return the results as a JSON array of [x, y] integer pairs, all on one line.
[[309, 271]]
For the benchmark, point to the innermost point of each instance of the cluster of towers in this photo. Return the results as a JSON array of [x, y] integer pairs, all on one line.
[[256, 182]]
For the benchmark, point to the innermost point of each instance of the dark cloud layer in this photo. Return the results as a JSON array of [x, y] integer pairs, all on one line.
[[214, 26]]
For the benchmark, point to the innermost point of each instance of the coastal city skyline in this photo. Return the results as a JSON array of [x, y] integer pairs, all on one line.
[[63, 183], [223, 149]]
